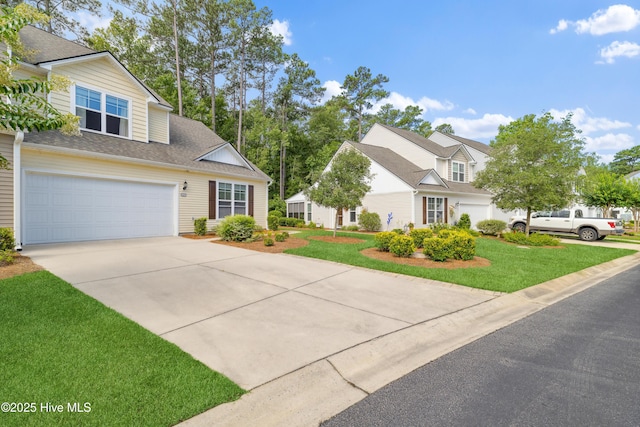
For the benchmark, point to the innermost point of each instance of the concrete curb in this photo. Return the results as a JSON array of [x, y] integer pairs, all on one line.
[[324, 388]]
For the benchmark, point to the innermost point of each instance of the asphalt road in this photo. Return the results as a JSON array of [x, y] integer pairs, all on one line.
[[576, 363]]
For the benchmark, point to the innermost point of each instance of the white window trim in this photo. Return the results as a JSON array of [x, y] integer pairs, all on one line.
[[233, 198], [103, 109], [464, 171], [435, 211]]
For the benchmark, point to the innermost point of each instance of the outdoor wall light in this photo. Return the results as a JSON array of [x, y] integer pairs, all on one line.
[[184, 186]]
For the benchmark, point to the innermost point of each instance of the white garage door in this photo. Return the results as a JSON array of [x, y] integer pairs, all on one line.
[[476, 213], [60, 208]]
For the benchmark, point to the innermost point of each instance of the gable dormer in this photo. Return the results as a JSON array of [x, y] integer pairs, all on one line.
[[109, 99], [226, 154]]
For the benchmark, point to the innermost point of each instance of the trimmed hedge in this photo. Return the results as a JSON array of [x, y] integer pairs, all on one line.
[[465, 222], [534, 239], [290, 222], [455, 244], [273, 221], [200, 226], [383, 240], [7, 242], [402, 246], [491, 227], [419, 234]]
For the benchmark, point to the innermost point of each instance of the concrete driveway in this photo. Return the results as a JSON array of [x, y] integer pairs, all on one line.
[[309, 338], [249, 315]]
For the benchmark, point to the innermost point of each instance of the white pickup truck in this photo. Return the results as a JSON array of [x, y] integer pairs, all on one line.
[[568, 221]]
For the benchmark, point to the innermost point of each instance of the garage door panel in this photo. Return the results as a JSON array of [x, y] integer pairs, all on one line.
[[63, 209]]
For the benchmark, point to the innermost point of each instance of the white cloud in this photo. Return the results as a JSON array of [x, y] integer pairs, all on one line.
[[92, 22], [606, 158], [485, 127], [609, 142], [281, 28], [616, 18], [332, 88], [562, 25], [401, 102], [470, 111], [617, 48], [589, 124]]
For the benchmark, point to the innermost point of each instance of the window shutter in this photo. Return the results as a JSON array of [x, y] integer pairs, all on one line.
[[446, 210], [424, 210], [212, 200], [250, 210]]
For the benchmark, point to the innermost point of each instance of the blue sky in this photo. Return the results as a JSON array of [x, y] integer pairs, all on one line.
[[477, 64]]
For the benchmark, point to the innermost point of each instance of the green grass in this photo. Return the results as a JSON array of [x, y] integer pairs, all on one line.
[[62, 346], [512, 268]]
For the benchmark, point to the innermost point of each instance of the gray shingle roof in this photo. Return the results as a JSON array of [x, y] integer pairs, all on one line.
[[190, 140], [44, 47], [408, 171], [483, 148]]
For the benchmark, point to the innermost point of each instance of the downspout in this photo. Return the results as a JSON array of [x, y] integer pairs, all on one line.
[[17, 190], [413, 208]]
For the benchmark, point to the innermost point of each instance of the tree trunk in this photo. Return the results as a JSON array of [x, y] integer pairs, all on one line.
[[213, 91], [335, 223], [174, 3], [241, 94], [526, 231]]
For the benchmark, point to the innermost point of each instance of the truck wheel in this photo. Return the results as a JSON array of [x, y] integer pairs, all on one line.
[[519, 227], [588, 234]]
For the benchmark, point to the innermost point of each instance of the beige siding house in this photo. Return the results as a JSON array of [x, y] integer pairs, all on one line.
[[137, 170], [415, 180]]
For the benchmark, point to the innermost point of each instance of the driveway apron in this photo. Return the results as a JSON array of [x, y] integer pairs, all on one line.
[[252, 316]]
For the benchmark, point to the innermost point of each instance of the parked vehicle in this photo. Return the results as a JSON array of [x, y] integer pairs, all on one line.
[[568, 221]]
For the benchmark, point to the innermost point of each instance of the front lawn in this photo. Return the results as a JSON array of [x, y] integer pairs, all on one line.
[[512, 267], [62, 347]]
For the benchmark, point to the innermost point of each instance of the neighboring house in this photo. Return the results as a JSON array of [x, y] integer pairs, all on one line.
[[136, 171], [416, 179]]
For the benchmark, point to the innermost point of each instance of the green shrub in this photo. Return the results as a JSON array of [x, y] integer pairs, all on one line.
[[290, 222], [402, 246], [436, 248], [311, 224], [351, 228], [7, 256], [268, 241], [465, 222], [383, 239], [285, 234], [200, 226], [491, 227], [236, 228], [369, 221], [419, 234], [446, 232], [439, 226], [276, 213], [273, 222], [462, 245], [7, 242], [399, 231], [534, 239], [280, 237]]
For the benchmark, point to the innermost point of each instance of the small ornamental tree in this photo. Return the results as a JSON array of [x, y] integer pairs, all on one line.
[[633, 200], [344, 185], [533, 164], [604, 190]]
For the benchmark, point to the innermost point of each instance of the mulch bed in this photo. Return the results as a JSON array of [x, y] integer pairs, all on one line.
[[451, 264], [258, 245], [21, 265]]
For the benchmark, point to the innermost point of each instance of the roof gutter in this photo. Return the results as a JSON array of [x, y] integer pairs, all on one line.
[[132, 160]]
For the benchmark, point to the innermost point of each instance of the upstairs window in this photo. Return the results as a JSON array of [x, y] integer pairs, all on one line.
[[457, 173], [102, 113]]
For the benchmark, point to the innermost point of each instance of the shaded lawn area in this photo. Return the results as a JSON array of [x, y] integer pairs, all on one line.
[[512, 268], [62, 346]]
